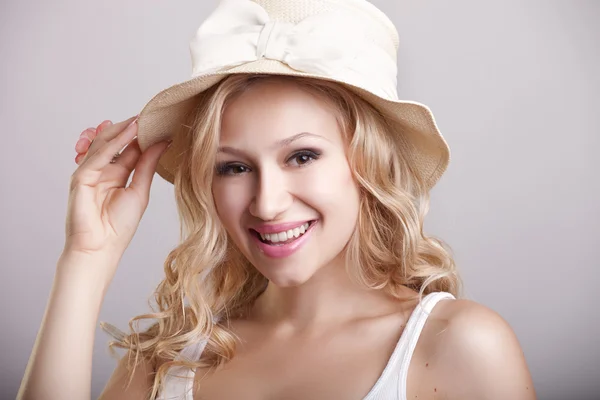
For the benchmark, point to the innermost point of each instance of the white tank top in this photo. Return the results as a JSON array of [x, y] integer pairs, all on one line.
[[391, 384]]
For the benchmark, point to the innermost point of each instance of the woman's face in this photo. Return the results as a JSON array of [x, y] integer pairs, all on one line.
[[283, 187]]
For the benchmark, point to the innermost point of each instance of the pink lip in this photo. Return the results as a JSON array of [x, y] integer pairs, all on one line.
[[284, 250], [276, 228]]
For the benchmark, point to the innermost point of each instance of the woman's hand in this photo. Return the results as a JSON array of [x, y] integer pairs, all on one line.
[[103, 213]]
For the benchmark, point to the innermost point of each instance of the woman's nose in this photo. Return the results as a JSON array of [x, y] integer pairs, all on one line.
[[272, 196]]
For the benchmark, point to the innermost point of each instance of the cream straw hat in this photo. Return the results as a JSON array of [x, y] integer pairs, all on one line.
[[346, 41]]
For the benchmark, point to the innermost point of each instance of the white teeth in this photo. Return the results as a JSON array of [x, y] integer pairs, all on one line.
[[283, 236]]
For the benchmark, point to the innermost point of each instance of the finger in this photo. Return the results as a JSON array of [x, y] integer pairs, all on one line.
[[103, 125], [85, 138], [145, 169], [99, 158], [79, 157], [111, 131], [121, 166], [89, 133], [129, 156], [108, 134]]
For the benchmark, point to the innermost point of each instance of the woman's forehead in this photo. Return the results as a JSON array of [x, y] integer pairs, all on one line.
[[271, 113]]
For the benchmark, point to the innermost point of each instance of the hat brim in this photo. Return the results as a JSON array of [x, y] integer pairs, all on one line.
[[428, 152]]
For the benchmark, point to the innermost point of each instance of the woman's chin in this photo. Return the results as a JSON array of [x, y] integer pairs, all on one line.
[[287, 279]]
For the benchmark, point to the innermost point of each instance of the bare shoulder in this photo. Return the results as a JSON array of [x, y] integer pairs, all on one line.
[[468, 351]]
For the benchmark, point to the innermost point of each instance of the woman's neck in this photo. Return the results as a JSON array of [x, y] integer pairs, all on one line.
[[329, 298]]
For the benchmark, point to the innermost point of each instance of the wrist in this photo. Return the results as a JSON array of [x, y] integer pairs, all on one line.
[[90, 272]]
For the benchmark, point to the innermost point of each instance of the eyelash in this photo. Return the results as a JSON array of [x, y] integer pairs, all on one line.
[[224, 169]]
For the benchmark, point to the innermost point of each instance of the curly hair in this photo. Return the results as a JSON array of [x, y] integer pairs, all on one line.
[[208, 281]]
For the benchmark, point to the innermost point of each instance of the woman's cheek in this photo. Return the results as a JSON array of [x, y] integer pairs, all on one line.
[[228, 199], [327, 182]]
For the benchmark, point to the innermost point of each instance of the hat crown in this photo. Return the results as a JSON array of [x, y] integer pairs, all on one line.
[[347, 40], [378, 28]]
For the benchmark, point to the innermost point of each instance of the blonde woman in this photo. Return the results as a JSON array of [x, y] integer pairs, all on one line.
[[303, 272]]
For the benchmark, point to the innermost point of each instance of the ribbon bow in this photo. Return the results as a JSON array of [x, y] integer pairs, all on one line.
[[330, 44]]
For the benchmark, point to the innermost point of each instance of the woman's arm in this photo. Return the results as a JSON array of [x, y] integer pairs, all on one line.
[[60, 366], [103, 215]]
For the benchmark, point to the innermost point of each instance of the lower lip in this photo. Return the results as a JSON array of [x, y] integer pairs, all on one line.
[[284, 250]]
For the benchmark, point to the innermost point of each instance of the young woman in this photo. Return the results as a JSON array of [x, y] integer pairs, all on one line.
[[303, 271]]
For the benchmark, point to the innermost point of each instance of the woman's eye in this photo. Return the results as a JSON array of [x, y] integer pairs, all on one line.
[[231, 169], [303, 157]]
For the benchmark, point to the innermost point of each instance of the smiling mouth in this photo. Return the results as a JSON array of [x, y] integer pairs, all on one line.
[[283, 238]]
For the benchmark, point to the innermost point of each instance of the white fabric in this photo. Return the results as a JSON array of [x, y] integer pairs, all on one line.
[[331, 44], [391, 384]]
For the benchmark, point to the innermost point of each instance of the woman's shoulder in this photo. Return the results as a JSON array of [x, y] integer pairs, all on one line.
[[471, 331], [471, 351]]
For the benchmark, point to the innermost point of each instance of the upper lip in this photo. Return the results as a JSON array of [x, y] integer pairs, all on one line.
[[275, 228]]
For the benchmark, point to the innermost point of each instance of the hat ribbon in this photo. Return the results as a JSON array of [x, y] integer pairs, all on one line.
[[331, 44]]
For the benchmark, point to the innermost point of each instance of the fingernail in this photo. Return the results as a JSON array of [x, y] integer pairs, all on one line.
[[133, 122]]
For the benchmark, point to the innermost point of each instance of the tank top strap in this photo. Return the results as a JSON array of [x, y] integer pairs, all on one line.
[[179, 380], [414, 327]]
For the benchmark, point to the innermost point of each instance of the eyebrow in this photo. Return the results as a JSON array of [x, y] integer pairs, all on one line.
[[278, 144]]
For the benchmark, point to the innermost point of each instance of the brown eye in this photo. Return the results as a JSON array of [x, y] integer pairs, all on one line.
[[304, 157], [231, 169]]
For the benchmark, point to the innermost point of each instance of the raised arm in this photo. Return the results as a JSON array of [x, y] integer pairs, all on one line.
[[102, 217]]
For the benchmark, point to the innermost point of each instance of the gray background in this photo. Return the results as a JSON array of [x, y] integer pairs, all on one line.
[[515, 90]]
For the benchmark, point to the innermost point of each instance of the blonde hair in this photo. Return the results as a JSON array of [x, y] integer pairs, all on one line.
[[387, 250]]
